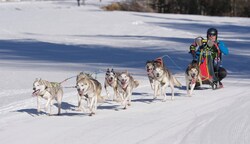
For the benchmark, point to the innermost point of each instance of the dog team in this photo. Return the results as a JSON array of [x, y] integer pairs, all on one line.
[[89, 89]]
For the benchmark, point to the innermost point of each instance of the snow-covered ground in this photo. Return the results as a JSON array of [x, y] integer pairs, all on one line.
[[57, 40]]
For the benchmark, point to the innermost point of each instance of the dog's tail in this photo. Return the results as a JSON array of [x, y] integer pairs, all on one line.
[[101, 99], [176, 82], [136, 83]]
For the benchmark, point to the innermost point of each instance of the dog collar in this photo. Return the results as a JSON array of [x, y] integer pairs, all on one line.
[[193, 81], [86, 95], [150, 74], [125, 88]]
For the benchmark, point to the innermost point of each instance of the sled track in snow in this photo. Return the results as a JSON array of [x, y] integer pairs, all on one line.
[[25, 103]]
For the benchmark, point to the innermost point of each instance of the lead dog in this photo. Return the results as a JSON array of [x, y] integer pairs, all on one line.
[[111, 81], [163, 78], [126, 84], [49, 91], [192, 75], [89, 89]]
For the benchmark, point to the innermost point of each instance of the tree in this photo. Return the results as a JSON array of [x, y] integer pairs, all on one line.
[[203, 7]]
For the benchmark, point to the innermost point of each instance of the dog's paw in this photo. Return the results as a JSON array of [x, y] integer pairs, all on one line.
[[116, 100], [172, 98], [92, 113], [164, 100], [79, 109]]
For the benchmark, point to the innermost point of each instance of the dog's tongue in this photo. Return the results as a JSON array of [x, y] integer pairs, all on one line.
[[35, 93], [80, 92], [123, 82]]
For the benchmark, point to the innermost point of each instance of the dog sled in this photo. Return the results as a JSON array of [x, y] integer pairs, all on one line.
[[208, 70]]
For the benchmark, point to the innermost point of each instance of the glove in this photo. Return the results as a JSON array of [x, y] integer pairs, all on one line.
[[192, 52], [198, 41], [210, 43]]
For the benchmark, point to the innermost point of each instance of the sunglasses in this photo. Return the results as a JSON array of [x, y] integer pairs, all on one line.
[[212, 35]]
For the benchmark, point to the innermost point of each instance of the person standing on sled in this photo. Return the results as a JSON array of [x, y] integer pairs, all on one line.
[[213, 50]]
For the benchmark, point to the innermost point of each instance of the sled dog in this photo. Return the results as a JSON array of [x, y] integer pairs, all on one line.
[[163, 78], [192, 75], [111, 81], [149, 68], [48, 91], [89, 89], [126, 84]]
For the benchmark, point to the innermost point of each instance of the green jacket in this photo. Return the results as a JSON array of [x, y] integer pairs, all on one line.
[[205, 49]]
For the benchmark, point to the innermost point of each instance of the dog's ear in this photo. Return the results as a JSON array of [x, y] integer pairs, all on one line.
[[127, 72], [112, 70], [196, 65], [117, 74], [188, 68], [40, 79], [157, 64], [108, 70], [154, 65], [193, 65]]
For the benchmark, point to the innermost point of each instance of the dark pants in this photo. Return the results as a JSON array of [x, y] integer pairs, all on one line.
[[222, 73]]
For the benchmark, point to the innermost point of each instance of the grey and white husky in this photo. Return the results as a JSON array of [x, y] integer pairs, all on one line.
[[163, 77], [89, 89], [49, 91], [111, 81], [126, 84], [150, 68], [192, 76]]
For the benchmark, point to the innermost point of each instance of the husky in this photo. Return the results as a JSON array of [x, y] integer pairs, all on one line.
[[48, 91], [192, 75], [111, 81], [89, 89], [149, 68], [126, 84], [163, 78]]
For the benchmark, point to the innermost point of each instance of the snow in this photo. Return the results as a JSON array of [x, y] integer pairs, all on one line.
[[55, 40]]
